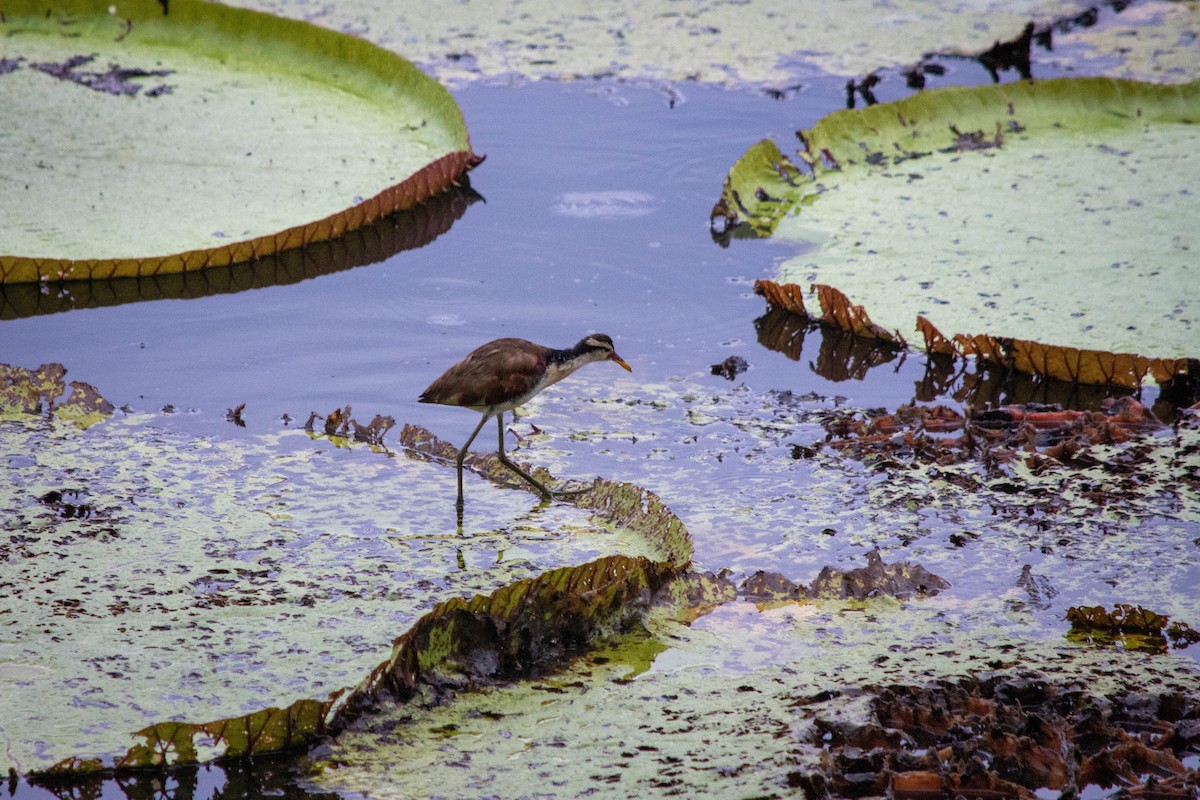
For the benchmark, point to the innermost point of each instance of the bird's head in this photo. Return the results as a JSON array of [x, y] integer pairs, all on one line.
[[602, 345]]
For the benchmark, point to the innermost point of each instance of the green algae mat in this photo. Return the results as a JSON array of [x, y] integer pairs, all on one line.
[[751, 42], [220, 595], [233, 590], [144, 138]]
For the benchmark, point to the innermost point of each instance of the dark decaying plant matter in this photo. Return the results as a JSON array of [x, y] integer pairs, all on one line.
[[901, 579], [1011, 736], [1135, 627], [41, 391]]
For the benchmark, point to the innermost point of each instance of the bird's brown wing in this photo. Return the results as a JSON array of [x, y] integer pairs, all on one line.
[[491, 374]]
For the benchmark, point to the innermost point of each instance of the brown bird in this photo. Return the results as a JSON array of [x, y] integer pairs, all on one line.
[[506, 373]]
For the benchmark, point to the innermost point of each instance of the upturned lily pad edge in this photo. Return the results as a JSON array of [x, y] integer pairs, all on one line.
[[1072, 365], [764, 185], [444, 172]]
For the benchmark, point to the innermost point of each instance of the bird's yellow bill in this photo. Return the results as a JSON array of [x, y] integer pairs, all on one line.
[[621, 361]]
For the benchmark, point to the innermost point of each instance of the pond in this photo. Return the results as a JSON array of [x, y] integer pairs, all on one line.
[[592, 215]]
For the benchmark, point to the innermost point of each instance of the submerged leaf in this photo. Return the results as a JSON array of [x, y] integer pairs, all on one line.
[[1124, 617], [270, 730], [85, 407], [516, 632], [623, 504], [29, 391], [24, 391], [900, 579], [166, 743], [1134, 627]]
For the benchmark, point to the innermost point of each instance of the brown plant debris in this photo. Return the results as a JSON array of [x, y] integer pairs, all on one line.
[[339, 423], [40, 392], [30, 391], [839, 312], [994, 436], [730, 368], [702, 592], [1182, 635], [935, 342], [1010, 736], [965, 141], [1124, 617], [785, 296], [67, 504], [373, 432], [836, 310], [900, 579], [234, 415], [1135, 627]]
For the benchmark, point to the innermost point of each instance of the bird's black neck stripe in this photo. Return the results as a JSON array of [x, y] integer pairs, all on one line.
[[568, 354]]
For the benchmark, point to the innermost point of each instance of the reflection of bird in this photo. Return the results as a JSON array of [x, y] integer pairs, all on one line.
[[506, 373]]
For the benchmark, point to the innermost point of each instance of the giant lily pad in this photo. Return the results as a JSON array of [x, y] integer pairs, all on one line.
[[1052, 211], [140, 141]]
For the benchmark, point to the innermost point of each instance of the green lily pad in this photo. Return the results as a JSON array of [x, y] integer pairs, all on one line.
[[1052, 211], [139, 141]]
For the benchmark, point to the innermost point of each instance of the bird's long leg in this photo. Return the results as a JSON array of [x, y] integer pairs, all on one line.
[[462, 453], [504, 460]]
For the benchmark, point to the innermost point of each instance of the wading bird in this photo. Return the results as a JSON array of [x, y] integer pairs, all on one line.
[[506, 373]]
